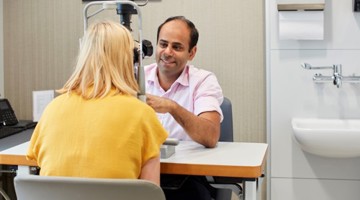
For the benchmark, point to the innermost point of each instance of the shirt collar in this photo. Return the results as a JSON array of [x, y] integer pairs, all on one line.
[[183, 79]]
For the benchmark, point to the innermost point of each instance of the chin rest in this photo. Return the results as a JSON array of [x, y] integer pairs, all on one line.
[[168, 147]]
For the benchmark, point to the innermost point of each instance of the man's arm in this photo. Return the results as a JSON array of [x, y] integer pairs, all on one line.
[[204, 128]]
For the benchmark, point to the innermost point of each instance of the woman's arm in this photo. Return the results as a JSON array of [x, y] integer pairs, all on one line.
[[151, 170]]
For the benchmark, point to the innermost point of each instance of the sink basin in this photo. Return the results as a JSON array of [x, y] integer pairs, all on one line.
[[336, 138]]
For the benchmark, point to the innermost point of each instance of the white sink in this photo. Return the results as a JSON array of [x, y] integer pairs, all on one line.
[[336, 138]]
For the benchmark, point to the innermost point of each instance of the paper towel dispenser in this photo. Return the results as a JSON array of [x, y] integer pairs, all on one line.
[[304, 21]]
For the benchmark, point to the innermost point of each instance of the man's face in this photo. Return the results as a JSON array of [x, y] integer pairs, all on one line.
[[172, 50]]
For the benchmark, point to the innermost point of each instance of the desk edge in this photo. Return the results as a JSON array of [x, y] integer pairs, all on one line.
[[6, 159]]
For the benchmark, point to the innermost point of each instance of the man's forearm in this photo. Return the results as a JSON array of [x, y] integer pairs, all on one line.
[[204, 129]]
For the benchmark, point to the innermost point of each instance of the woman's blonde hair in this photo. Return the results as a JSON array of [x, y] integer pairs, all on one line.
[[105, 61]]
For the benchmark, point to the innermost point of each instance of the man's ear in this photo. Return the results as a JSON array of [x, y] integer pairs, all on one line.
[[192, 52]]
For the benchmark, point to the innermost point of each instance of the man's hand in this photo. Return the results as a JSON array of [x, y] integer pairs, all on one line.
[[159, 104], [203, 129]]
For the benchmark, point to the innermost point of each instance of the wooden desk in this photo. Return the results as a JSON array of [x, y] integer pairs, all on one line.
[[238, 162], [228, 159], [10, 142]]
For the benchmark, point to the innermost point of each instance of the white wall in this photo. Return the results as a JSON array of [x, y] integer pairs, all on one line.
[[41, 43], [295, 174], [1, 51]]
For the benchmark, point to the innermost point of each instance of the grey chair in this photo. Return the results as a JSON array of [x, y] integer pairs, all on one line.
[[224, 190], [226, 129], [33, 187]]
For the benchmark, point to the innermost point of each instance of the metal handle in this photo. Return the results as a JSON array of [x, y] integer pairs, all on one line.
[[308, 66], [107, 5]]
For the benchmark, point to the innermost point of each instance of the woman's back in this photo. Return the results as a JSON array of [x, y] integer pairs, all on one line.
[[109, 137], [97, 127]]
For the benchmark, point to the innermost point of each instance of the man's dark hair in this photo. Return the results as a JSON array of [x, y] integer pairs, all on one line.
[[194, 34]]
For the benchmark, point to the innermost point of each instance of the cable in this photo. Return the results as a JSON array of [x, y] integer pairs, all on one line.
[[3, 194], [144, 4]]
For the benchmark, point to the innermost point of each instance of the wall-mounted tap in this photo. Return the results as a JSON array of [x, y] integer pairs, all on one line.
[[337, 78], [337, 70]]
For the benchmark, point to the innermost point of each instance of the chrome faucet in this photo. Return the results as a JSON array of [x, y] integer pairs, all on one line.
[[337, 78]]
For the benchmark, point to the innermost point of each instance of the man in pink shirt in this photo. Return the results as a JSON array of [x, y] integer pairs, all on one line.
[[187, 99]]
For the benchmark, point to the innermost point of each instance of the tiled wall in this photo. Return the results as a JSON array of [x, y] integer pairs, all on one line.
[[294, 173]]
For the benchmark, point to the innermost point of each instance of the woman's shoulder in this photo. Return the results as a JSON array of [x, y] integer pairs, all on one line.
[[131, 101]]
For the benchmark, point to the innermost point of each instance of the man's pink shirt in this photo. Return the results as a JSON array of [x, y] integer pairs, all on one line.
[[196, 90]]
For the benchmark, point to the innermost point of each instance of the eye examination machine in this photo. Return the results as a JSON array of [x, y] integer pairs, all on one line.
[[126, 9]]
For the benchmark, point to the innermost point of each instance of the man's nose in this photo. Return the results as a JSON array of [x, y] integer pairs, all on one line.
[[168, 51]]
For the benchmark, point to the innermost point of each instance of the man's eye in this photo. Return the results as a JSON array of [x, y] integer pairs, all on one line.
[[162, 45], [177, 48]]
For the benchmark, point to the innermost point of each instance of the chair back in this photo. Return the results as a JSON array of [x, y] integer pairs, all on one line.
[[226, 129], [33, 187]]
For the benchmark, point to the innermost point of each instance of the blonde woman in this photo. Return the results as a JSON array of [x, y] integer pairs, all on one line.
[[97, 127]]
